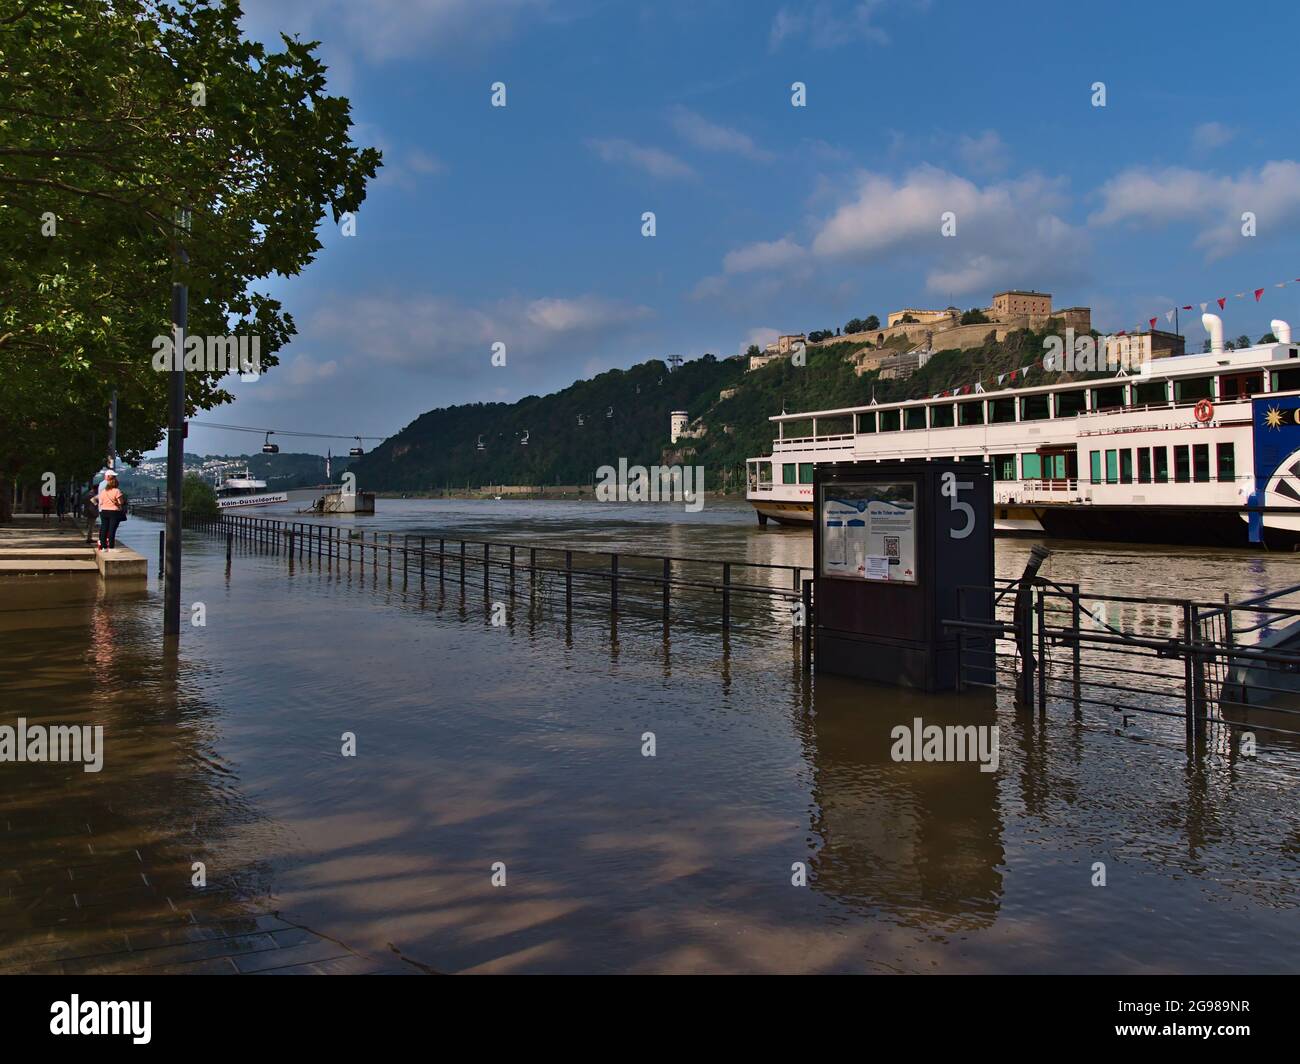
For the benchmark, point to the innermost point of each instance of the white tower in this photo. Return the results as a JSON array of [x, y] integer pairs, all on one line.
[[679, 419]]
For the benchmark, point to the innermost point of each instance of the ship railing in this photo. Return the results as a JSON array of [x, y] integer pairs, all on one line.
[[814, 443]]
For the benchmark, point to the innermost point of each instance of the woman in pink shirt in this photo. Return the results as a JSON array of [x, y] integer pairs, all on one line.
[[112, 504]]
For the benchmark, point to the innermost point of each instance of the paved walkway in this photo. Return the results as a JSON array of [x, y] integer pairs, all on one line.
[[34, 545]]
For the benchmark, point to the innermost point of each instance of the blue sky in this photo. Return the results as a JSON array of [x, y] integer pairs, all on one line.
[[522, 224]]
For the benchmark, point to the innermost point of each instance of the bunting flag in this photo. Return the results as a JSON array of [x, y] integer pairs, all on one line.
[[1153, 323], [1203, 306], [1258, 292], [1222, 300], [1169, 315]]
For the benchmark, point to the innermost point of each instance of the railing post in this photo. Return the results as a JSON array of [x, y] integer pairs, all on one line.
[[613, 583], [1076, 623], [726, 596], [162, 548], [668, 572], [807, 625], [462, 563], [390, 556], [568, 581], [406, 556], [1042, 649], [422, 563], [230, 544], [512, 570], [487, 554], [442, 554], [1189, 672]]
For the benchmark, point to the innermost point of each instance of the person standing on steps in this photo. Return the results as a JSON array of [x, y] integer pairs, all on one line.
[[61, 504], [112, 506]]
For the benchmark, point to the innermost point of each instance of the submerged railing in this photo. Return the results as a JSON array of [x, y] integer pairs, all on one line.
[[591, 575], [1211, 664]]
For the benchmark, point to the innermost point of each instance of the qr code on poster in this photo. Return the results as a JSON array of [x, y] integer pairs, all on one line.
[[891, 546]]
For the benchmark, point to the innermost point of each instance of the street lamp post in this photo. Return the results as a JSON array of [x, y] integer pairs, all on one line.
[[175, 449]]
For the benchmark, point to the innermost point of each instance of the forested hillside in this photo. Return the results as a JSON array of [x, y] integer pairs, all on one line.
[[625, 413]]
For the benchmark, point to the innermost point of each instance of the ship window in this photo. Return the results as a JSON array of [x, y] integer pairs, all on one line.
[[1004, 467], [1240, 385], [1070, 403], [805, 472], [1126, 466], [1112, 467], [1201, 462], [1108, 398], [1286, 380], [941, 417], [914, 417], [1001, 410], [867, 422], [765, 472], [789, 473], [1151, 393], [1144, 465], [1160, 459], [1034, 408], [889, 421], [1227, 462], [1031, 467], [1182, 465], [1095, 462], [970, 413], [1193, 389]]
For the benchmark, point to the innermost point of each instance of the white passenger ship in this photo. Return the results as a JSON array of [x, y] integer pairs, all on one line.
[[246, 491], [1197, 449]]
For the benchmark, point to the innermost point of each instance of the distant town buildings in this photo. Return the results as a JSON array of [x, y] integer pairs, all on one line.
[[1137, 348]]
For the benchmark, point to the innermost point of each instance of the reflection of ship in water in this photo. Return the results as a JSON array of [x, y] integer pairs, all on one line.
[[919, 841]]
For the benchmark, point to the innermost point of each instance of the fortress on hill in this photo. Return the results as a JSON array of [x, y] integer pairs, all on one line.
[[910, 335]]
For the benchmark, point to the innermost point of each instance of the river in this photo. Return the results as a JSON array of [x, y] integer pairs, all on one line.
[[517, 752]]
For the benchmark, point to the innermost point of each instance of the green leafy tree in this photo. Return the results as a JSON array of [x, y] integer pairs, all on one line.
[[872, 322], [198, 498], [115, 117], [974, 316]]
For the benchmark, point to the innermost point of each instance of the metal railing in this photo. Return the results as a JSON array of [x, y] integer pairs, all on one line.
[[654, 580], [1211, 664]]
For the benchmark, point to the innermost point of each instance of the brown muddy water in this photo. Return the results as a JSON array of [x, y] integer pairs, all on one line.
[[522, 745]]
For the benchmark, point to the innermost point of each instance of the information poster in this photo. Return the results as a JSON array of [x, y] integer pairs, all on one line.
[[868, 531]]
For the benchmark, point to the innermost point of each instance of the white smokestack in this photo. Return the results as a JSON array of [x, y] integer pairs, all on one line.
[[1213, 325], [1281, 330]]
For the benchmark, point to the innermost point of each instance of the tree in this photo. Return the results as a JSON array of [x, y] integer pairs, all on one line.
[[974, 316], [1268, 338], [907, 319], [753, 350], [198, 499], [120, 114], [872, 322], [855, 325], [1243, 342]]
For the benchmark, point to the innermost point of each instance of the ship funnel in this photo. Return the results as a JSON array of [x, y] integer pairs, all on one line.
[[1281, 330], [1213, 325]]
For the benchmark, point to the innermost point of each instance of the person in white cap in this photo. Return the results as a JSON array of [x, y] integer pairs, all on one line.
[[112, 505]]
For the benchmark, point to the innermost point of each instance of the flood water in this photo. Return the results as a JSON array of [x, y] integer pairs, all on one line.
[[521, 745]]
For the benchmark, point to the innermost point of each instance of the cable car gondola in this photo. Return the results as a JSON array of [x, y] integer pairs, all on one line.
[[356, 452], [268, 447]]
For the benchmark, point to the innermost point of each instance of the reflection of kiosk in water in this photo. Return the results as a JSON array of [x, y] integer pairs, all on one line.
[[920, 842], [892, 544]]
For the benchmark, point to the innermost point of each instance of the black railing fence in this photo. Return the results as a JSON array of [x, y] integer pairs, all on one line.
[[676, 588], [1213, 664]]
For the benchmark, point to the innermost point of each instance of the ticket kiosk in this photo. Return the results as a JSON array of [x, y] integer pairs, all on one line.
[[893, 542]]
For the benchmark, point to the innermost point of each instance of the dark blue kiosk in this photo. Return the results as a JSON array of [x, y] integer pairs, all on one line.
[[892, 543]]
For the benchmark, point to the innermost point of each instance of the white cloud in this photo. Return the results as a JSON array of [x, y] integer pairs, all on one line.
[[1215, 203], [985, 154], [430, 330], [710, 136], [1210, 135], [383, 30], [1008, 233], [828, 24], [654, 161], [763, 255]]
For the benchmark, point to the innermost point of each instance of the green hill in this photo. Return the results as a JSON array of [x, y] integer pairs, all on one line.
[[625, 413]]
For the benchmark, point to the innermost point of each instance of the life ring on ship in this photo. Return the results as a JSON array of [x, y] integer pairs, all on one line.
[[1203, 411]]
